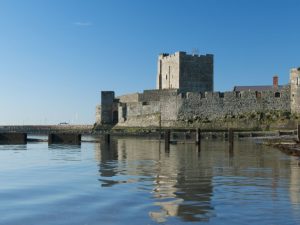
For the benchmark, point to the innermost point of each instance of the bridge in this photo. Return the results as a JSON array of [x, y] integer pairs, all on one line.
[[47, 129]]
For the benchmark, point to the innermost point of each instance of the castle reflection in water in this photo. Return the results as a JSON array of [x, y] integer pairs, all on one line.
[[185, 183]]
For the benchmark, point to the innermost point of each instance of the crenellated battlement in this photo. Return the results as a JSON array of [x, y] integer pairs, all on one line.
[[242, 95], [183, 54]]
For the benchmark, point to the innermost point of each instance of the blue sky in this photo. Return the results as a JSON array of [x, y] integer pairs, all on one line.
[[57, 55]]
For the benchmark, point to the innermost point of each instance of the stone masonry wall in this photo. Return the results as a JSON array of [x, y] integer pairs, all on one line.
[[139, 114], [129, 98], [109, 108], [196, 73], [173, 108], [295, 90], [153, 107], [185, 72], [215, 105], [156, 95], [168, 71]]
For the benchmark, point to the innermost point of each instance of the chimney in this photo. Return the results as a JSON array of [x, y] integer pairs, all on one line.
[[275, 81]]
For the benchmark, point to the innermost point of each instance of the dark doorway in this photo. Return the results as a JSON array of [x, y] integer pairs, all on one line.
[[115, 116]]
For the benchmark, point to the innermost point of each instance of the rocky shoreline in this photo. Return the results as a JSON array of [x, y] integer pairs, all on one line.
[[287, 144]]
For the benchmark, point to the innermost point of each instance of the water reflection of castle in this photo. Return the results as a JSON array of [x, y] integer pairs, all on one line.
[[185, 184], [177, 189], [295, 185]]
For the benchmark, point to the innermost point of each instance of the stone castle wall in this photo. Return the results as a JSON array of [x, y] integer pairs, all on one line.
[[129, 97], [172, 108], [152, 107], [215, 105], [156, 95]]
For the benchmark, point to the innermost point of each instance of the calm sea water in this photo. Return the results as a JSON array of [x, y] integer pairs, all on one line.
[[134, 181]]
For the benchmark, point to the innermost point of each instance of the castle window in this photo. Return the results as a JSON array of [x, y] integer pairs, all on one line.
[[238, 94], [277, 94], [166, 77]]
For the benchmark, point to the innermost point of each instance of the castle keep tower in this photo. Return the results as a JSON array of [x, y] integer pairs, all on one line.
[[188, 73], [295, 90]]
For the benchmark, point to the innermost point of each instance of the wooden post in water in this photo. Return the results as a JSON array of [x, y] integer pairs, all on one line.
[[167, 140], [230, 139], [298, 132], [159, 124], [198, 139]]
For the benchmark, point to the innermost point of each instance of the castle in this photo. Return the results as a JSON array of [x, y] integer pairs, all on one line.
[[184, 96]]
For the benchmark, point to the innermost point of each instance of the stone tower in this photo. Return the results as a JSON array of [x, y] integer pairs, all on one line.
[[107, 113], [295, 90], [188, 73]]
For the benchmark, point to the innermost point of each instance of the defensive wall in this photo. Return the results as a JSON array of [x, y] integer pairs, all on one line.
[[155, 108], [214, 105]]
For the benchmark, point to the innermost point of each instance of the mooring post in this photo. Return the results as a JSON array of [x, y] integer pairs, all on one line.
[[167, 140], [298, 132], [159, 125], [50, 138], [198, 136], [198, 139], [230, 139]]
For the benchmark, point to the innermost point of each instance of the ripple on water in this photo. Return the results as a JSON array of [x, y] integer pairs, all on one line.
[[135, 182]]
